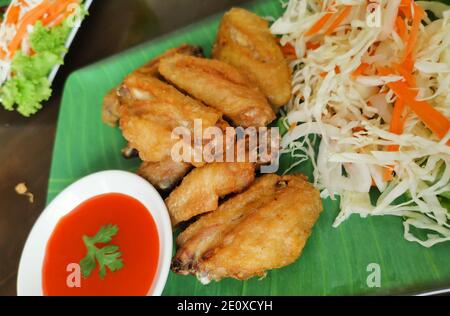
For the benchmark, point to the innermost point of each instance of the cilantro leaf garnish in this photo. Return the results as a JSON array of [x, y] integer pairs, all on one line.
[[106, 257]]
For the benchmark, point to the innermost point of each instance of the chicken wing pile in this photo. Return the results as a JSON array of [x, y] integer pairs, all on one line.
[[238, 225]]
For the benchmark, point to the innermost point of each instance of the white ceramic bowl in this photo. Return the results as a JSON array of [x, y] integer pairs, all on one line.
[[29, 280]]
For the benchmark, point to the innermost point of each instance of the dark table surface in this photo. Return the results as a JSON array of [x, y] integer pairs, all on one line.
[[26, 143]]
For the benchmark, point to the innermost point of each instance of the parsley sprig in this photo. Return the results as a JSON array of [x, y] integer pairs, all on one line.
[[107, 257]]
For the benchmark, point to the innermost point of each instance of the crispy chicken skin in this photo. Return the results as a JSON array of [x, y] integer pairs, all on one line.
[[220, 86], [151, 68], [111, 102], [264, 228], [171, 103], [149, 135], [164, 175], [201, 189], [147, 122], [245, 41]]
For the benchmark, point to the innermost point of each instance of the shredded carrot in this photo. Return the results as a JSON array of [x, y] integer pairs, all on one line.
[[13, 15], [397, 123], [397, 126], [360, 70], [383, 71], [340, 17], [358, 129], [53, 11], [319, 24], [337, 70], [406, 72], [58, 12], [55, 7], [312, 45], [29, 18], [417, 20], [288, 50], [406, 9], [401, 29], [408, 63], [432, 118], [406, 12], [405, 3], [63, 17], [388, 173]]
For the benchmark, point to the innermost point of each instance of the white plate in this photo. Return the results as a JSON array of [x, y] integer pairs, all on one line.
[[69, 41], [29, 280]]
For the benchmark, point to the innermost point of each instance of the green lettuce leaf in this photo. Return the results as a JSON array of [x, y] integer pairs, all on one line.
[[29, 86], [26, 94], [36, 66], [52, 40]]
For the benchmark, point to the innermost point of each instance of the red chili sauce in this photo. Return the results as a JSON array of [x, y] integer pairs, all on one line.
[[137, 239]]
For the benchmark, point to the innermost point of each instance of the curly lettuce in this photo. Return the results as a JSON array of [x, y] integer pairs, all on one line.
[[29, 86]]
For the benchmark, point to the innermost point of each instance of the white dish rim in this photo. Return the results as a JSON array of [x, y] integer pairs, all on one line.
[[69, 41]]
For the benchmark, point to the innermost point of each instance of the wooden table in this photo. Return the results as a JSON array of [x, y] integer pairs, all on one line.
[[26, 143]]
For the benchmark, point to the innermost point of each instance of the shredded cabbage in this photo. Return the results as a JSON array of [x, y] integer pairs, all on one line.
[[352, 114]]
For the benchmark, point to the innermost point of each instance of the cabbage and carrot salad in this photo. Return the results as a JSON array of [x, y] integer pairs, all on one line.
[[371, 107], [33, 34]]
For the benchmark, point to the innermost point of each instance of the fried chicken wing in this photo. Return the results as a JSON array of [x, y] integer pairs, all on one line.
[[148, 123], [220, 86], [173, 104], [201, 190], [245, 41], [164, 175], [150, 136], [264, 228], [151, 68], [111, 102]]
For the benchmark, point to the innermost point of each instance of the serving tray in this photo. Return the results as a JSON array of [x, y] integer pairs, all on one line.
[[335, 261]]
